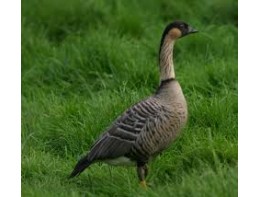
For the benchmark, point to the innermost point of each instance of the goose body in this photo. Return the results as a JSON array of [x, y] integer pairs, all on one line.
[[148, 127], [145, 129]]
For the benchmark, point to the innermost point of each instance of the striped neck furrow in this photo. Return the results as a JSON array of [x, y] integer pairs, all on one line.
[[166, 60]]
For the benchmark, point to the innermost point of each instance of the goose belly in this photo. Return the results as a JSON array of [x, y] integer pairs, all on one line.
[[120, 161]]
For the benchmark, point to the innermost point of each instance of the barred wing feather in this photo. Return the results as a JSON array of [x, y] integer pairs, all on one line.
[[119, 139]]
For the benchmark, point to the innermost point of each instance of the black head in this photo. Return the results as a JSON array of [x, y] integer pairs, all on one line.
[[178, 29]]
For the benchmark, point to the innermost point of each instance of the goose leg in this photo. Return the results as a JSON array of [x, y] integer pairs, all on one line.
[[142, 171], [146, 170]]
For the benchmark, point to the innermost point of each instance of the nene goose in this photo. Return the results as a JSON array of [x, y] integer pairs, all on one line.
[[149, 126]]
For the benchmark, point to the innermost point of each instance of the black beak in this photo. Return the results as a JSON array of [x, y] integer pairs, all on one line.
[[191, 30]]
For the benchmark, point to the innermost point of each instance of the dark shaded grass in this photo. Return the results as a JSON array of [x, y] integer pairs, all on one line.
[[85, 62]]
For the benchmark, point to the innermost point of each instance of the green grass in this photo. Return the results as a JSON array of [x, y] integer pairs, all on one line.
[[85, 62]]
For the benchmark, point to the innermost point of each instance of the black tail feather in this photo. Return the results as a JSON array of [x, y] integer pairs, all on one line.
[[80, 167]]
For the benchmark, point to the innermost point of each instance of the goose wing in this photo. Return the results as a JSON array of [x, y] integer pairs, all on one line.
[[122, 135]]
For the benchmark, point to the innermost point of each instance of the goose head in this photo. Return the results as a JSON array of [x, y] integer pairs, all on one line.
[[178, 29]]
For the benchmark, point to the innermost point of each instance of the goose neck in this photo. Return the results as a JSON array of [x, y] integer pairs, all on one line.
[[166, 59]]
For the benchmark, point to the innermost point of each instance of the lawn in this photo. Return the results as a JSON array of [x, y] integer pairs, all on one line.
[[85, 62]]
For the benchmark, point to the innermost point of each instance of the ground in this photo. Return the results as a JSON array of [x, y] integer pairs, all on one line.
[[85, 62]]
